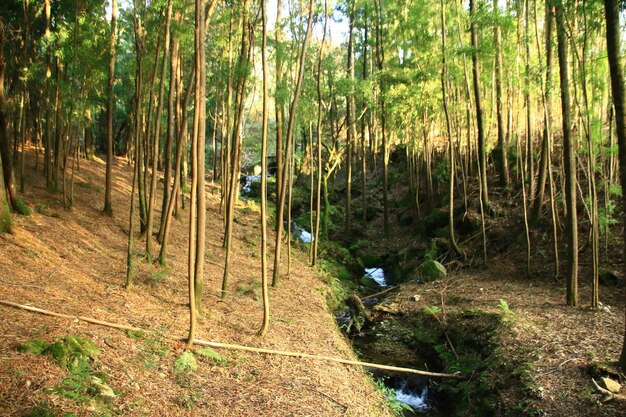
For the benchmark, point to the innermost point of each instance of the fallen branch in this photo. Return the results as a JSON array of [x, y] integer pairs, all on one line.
[[379, 293], [233, 346]]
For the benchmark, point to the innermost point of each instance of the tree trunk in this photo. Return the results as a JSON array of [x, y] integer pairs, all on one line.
[[157, 134], [569, 161], [546, 99], [279, 101], [290, 127], [482, 157], [180, 141], [235, 157], [613, 31], [5, 149], [264, 283], [319, 138], [451, 169], [380, 58], [503, 164], [171, 131], [350, 122], [108, 209]]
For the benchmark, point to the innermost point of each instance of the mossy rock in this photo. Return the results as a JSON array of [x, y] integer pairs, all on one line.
[[431, 270]]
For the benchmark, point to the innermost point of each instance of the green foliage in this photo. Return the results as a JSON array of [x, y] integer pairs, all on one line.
[[431, 270], [41, 410], [432, 310], [158, 276], [22, 208], [153, 350], [34, 347], [6, 222], [397, 408], [71, 353], [83, 384], [250, 288], [186, 362], [212, 355], [508, 313]]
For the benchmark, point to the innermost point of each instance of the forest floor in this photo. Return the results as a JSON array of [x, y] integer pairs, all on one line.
[[553, 344], [74, 262]]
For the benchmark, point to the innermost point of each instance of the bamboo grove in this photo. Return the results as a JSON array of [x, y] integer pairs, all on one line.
[[515, 98]]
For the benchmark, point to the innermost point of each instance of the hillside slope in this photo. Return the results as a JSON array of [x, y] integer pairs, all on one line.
[[74, 262]]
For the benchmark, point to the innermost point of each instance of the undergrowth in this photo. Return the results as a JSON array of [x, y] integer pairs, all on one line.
[[84, 383], [469, 343]]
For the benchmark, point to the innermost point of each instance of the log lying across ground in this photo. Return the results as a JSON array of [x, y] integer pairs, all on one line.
[[233, 346]]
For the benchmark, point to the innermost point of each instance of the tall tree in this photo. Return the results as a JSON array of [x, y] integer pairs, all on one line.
[[318, 82], [569, 159], [482, 156], [451, 169], [289, 138], [279, 100], [235, 158], [5, 214], [108, 209], [264, 283], [613, 32], [503, 165], [157, 133], [350, 115]]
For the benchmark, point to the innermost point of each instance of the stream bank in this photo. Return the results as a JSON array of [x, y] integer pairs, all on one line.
[[416, 325]]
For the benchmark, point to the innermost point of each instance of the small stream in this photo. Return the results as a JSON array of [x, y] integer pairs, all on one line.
[[379, 347]]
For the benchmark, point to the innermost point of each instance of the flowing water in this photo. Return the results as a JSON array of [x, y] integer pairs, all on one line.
[[380, 347]]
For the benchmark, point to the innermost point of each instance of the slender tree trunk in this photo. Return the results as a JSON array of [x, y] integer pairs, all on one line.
[[180, 141], [200, 108], [319, 137], [546, 100], [5, 150], [569, 161], [364, 119], [351, 122], [108, 209], [136, 169], [5, 212], [233, 184], [171, 132], [613, 31], [157, 134], [482, 157], [290, 127], [279, 101], [503, 165], [380, 58], [264, 280], [451, 169]]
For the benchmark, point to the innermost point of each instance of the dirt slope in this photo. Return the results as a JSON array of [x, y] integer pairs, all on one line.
[[74, 262]]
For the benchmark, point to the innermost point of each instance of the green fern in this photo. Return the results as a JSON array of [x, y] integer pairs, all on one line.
[[186, 362], [212, 355], [508, 313], [432, 310]]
